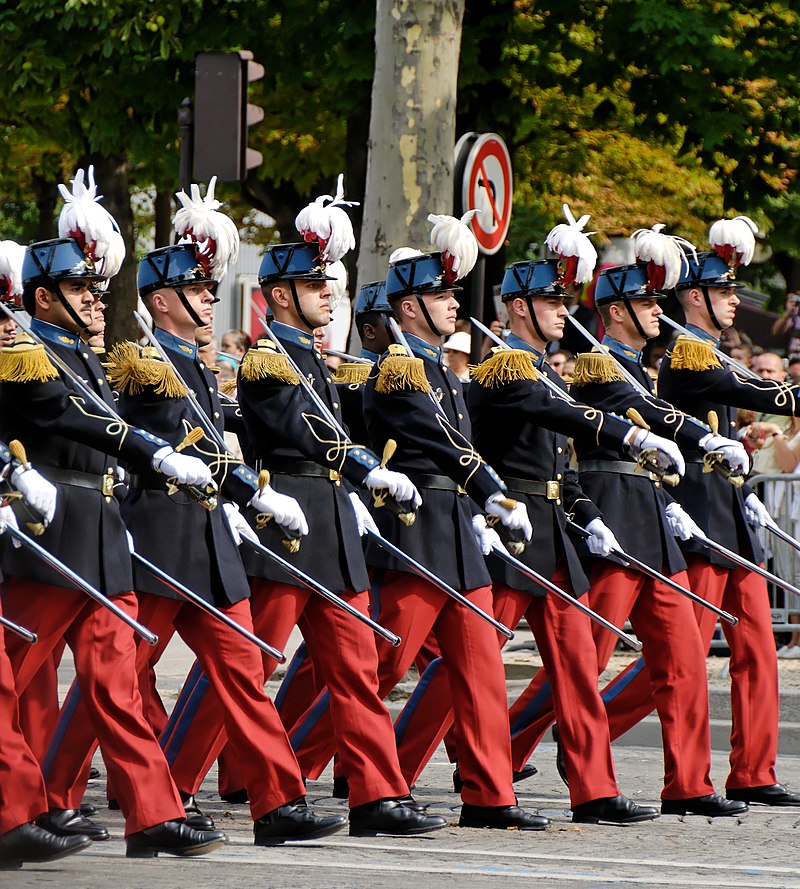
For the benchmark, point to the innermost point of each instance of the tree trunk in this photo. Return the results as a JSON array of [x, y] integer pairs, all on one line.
[[412, 127], [111, 174]]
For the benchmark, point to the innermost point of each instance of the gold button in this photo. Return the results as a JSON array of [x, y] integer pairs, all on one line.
[[211, 389], [100, 381], [335, 405], [558, 502], [202, 366], [657, 484], [460, 416], [216, 415], [455, 391], [560, 450], [558, 477], [328, 380]]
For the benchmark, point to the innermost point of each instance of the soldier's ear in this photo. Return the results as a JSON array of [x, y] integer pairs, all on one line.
[[407, 308], [279, 296], [43, 298]]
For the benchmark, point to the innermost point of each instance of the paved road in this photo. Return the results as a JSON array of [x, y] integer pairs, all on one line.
[[763, 849]]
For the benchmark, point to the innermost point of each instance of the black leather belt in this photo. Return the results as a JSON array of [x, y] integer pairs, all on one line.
[[620, 467], [435, 482], [299, 468], [103, 483], [550, 490]]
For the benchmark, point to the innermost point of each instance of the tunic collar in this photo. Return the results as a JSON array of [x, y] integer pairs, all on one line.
[[422, 349], [623, 350], [293, 335], [372, 356], [55, 334], [516, 342], [703, 335], [175, 343]]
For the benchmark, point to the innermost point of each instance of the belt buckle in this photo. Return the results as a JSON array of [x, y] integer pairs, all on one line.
[[335, 476], [108, 484], [552, 490]]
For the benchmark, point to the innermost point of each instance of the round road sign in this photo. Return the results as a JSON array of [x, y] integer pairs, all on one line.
[[486, 185]]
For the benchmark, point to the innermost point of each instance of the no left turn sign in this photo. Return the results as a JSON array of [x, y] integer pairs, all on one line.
[[486, 185]]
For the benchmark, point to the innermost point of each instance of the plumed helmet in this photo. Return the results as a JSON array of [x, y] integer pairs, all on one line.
[[293, 262], [415, 274], [173, 266], [372, 298], [707, 270], [531, 277], [624, 282]]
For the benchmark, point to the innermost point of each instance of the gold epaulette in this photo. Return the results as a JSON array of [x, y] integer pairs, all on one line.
[[25, 362], [228, 387], [352, 373], [691, 354], [504, 366], [596, 367], [401, 372], [131, 372], [263, 361]]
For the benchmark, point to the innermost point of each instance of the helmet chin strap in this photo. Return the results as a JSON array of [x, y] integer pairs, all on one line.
[[426, 315], [191, 312], [535, 322], [296, 300], [710, 308], [635, 318], [76, 318]]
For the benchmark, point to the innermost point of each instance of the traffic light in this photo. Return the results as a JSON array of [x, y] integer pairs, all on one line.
[[222, 115]]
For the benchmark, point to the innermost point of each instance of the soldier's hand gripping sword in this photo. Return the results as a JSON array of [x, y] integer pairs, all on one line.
[[502, 553], [190, 596], [631, 561], [406, 511]]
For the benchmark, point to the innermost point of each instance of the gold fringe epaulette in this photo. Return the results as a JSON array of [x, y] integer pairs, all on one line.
[[504, 366], [401, 372], [264, 362], [25, 362], [131, 372], [352, 373], [228, 387], [595, 367], [691, 354]]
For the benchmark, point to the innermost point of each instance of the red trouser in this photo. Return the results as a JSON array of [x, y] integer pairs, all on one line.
[[344, 654], [233, 666], [664, 622], [38, 705], [105, 664], [22, 793], [753, 666], [564, 640], [411, 607]]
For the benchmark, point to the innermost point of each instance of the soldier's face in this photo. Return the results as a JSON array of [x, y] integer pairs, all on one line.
[[551, 315], [315, 301], [98, 325], [648, 311], [724, 302], [200, 298], [8, 331], [443, 309], [77, 292]]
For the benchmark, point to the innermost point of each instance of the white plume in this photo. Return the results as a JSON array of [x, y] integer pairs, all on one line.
[[325, 221], [457, 243], [11, 258], [214, 234], [92, 226], [572, 244], [734, 236], [402, 253], [338, 271], [665, 255]]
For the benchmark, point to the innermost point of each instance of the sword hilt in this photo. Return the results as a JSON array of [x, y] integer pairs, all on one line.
[[290, 539], [513, 538], [405, 510], [714, 461], [647, 461]]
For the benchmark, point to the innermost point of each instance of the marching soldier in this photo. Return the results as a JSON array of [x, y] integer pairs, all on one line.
[[693, 379]]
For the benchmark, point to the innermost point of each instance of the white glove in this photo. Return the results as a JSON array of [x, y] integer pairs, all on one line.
[[398, 484], [7, 518], [681, 524], [669, 454], [601, 539], [515, 519], [487, 537], [238, 525], [184, 469], [732, 451], [285, 510], [756, 512], [364, 518], [37, 491]]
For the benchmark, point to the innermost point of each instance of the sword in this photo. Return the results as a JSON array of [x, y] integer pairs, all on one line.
[[400, 338], [721, 550], [20, 631], [356, 359], [323, 591], [438, 582], [82, 584], [782, 535], [657, 575], [506, 556], [201, 603], [731, 362]]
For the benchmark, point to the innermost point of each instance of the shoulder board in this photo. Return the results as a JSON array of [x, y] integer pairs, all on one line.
[[131, 372], [25, 362], [401, 372], [596, 367], [691, 354], [352, 373], [263, 361], [504, 366]]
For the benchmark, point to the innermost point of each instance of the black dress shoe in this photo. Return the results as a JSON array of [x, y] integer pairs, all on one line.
[[94, 773], [174, 838], [561, 766], [70, 823], [527, 771], [341, 787], [29, 842], [712, 806], [294, 821], [194, 817], [614, 810], [113, 805], [766, 795], [236, 798], [410, 803], [500, 818], [393, 818], [87, 810]]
